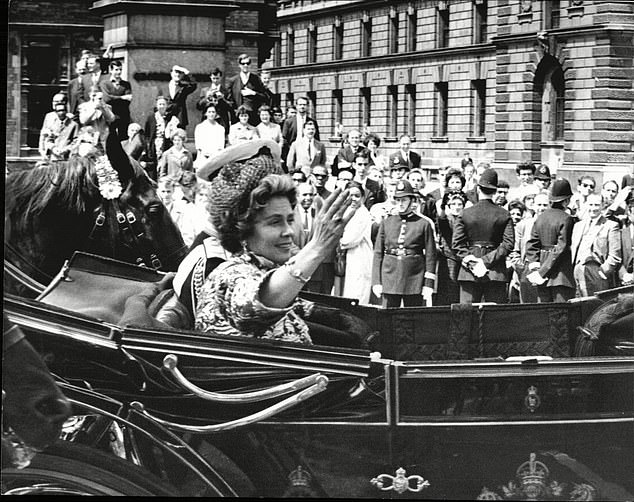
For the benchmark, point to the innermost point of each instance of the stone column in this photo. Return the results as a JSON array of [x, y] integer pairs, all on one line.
[[152, 36]]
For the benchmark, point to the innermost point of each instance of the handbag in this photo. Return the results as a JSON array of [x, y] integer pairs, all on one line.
[[340, 261], [98, 287]]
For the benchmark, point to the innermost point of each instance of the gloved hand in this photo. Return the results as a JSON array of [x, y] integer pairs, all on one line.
[[136, 307], [427, 295], [377, 289], [535, 279]]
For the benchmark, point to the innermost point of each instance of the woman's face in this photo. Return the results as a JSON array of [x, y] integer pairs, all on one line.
[[265, 117], [372, 146], [178, 141], [454, 183], [272, 235], [455, 207], [244, 118], [357, 198], [516, 215]]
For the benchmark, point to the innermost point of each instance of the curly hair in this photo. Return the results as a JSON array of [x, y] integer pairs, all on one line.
[[455, 172], [238, 224]]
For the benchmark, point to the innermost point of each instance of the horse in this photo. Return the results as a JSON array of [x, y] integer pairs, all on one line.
[[33, 407], [102, 204]]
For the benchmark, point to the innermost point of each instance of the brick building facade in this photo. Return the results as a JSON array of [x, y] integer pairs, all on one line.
[[506, 80], [47, 37]]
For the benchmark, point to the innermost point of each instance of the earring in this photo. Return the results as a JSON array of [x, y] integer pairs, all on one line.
[[245, 248]]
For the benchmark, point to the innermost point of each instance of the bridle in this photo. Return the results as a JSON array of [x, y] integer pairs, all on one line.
[[132, 231]]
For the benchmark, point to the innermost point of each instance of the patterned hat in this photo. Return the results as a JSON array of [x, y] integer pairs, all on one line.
[[231, 188], [404, 189], [240, 152], [542, 173]]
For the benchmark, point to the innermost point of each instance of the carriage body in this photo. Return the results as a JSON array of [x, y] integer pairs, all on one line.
[[461, 402]]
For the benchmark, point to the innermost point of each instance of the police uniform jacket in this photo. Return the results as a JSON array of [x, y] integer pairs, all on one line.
[[404, 255], [548, 248], [485, 231]]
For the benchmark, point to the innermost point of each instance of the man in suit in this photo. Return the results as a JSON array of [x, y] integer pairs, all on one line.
[[346, 154], [93, 78], [294, 124], [216, 94], [373, 191], [118, 94], [246, 89], [179, 87], [596, 250], [74, 87], [306, 210], [272, 99], [404, 262], [626, 270], [548, 248], [306, 152], [523, 229], [482, 239], [405, 155]]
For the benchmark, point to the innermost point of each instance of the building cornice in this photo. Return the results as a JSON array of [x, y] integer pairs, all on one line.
[[54, 26], [403, 58], [561, 33], [332, 7]]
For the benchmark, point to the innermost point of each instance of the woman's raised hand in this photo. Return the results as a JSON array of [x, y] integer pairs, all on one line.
[[332, 219]]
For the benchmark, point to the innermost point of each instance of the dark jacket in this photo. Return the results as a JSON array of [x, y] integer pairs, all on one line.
[[397, 158], [112, 95], [235, 97], [178, 105], [549, 246], [408, 273], [485, 231], [373, 193], [346, 153]]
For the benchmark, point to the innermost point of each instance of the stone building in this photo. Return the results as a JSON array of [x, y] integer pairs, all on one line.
[[47, 37], [505, 80]]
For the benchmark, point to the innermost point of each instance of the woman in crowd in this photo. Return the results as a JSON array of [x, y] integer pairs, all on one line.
[[268, 129], [242, 131], [177, 158], [454, 182], [448, 289], [357, 243], [254, 293], [159, 127], [372, 143]]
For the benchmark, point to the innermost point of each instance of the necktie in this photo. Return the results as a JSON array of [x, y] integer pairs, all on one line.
[[310, 153], [306, 229]]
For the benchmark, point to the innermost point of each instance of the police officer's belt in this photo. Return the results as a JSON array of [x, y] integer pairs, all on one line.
[[403, 252], [483, 245]]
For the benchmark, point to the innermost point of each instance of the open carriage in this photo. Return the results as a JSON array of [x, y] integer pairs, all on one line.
[[460, 402]]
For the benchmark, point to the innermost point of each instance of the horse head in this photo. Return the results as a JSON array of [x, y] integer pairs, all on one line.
[[107, 207], [33, 407], [141, 229]]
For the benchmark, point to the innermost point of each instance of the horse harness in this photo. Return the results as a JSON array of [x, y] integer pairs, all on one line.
[[132, 231]]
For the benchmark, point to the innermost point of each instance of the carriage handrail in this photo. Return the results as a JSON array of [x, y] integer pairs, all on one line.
[[289, 402], [170, 363]]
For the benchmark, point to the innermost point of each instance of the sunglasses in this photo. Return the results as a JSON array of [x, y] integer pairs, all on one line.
[[586, 185], [245, 62], [319, 175]]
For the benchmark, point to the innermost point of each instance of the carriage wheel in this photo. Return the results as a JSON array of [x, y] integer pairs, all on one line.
[[75, 469]]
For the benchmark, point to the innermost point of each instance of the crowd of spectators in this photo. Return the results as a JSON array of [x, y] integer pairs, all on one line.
[[406, 245]]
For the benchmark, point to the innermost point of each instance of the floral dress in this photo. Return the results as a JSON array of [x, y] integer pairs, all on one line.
[[229, 303]]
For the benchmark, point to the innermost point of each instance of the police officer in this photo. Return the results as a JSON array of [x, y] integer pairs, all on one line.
[[404, 254], [548, 248], [482, 239]]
